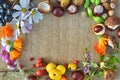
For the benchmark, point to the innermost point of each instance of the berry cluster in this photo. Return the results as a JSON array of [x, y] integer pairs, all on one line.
[[5, 13]]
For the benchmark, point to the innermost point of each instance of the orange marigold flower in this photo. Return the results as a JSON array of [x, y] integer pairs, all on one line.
[[100, 47], [18, 44], [14, 54], [6, 31]]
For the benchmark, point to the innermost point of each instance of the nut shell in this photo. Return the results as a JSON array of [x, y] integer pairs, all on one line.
[[98, 29], [112, 22], [78, 2], [44, 6], [109, 75]]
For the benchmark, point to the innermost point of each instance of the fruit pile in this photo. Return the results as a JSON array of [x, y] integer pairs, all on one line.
[[5, 13]]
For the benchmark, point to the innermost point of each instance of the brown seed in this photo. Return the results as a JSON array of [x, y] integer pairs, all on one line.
[[113, 1], [103, 1], [113, 5], [106, 6], [110, 12]]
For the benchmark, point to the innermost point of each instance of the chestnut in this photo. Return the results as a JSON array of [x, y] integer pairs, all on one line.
[[109, 74], [98, 10], [72, 9], [44, 6], [118, 33], [58, 11], [77, 75], [31, 77], [98, 29]]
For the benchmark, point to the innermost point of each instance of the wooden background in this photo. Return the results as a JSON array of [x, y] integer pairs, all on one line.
[[60, 40]]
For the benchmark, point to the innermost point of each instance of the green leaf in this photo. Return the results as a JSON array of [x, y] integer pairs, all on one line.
[[85, 64], [97, 2], [92, 73], [98, 19], [4, 74], [117, 59], [86, 4], [102, 58], [92, 1], [90, 13], [99, 74], [94, 65]]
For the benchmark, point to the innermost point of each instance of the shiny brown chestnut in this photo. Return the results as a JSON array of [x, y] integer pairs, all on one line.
[[72, 9], [58, 12], [98, 29], [32, 77], [77, 75]]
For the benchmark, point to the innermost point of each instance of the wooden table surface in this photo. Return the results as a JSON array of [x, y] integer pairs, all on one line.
[[60, 40]]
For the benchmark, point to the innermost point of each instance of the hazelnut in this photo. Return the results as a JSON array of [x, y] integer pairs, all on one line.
[[78, 2], [44, 6], [109, 74], [113, 5], [103, 1], [98, 10], [98, 29], [113, 1], [110, 12], [106, 6], [72, 9], [58, 11], [112, 22]]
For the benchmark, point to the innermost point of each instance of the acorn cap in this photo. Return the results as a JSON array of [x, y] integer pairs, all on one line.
[[112, 22]]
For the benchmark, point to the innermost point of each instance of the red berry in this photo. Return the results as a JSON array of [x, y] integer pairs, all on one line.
[[39, 65], [66, 64], [32, 65], [39, 60], [39, 73], [31, 58], [21, 66], [76, 61], [44, 72]]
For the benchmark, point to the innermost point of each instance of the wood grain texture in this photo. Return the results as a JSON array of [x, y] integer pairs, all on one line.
[[60, 40]]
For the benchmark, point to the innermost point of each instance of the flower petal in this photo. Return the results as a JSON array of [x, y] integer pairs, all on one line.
[[28, 26], [30, 19], [35, 18], [8, 48], [25, 30], [16, 14], [24, 3], [40, 15], [17, 7]]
